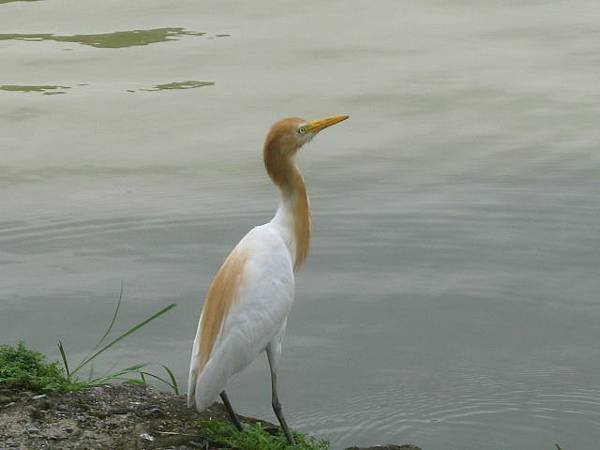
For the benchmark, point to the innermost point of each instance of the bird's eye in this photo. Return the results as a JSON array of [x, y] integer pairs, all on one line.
[[302, 130]]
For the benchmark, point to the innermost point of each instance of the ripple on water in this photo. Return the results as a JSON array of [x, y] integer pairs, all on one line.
[[53, 230], [85, 228], [479, 406]]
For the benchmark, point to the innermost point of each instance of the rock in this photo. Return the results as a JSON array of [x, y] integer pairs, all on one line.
[[153, 412], [6, 399], [36, 414], [45, 405], [147, 437], [85, 406]]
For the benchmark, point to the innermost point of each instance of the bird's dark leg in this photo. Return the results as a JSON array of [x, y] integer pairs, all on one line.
[[275, 399], [232, 414]]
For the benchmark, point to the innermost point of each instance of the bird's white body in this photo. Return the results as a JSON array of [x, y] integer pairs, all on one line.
[[246, 307], [258, 317]]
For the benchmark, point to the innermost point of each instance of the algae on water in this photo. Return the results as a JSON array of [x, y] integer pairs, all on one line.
[[179, 85], [46, 89], [117, 39]]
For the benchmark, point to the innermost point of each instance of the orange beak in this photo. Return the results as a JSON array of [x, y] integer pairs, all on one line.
[[314, 126]]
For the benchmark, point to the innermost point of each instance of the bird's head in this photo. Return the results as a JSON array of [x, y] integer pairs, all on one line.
[[288, 135]]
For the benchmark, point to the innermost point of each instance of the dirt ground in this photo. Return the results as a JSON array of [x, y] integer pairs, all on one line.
[[111, 417]]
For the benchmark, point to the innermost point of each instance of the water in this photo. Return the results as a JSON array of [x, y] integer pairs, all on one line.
[[451, 296]]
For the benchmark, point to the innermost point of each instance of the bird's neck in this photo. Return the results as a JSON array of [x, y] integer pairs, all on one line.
[[293, 214]]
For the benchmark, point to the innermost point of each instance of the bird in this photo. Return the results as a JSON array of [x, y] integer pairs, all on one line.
[[246, 306]]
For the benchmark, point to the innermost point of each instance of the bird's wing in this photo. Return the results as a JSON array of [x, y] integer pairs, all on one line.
[[245, 306]]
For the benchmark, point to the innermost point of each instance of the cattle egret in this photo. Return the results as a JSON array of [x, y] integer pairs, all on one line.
[[247, 304]]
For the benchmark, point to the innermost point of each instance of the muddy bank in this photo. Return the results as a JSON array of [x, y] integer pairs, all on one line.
[[109, 417]]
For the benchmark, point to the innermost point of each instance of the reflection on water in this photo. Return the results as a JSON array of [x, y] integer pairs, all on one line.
[[179, 85], [45, 89], [117, 39]]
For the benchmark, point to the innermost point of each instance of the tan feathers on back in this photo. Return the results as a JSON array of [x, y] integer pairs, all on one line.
[[221, 295]]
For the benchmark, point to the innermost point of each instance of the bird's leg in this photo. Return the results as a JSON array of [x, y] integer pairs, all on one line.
[[275, 398], [232, 414]]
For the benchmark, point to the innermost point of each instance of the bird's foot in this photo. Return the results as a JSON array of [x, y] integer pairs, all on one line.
[[274, 430]]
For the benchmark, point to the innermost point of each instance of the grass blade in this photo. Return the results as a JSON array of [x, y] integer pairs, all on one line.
[[123, 336], [114, 318], [64, 357], [173, 380], [131, 369], [110, 325], [116, 375], [107, 371], [159, 378]]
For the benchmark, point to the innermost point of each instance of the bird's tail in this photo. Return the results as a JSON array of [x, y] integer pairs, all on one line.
[[195, 368], [205, 385], [191, 390]]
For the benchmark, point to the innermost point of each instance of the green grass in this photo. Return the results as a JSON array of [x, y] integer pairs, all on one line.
[[217, 433], [27, 369], [22, 367], [124, 374]]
